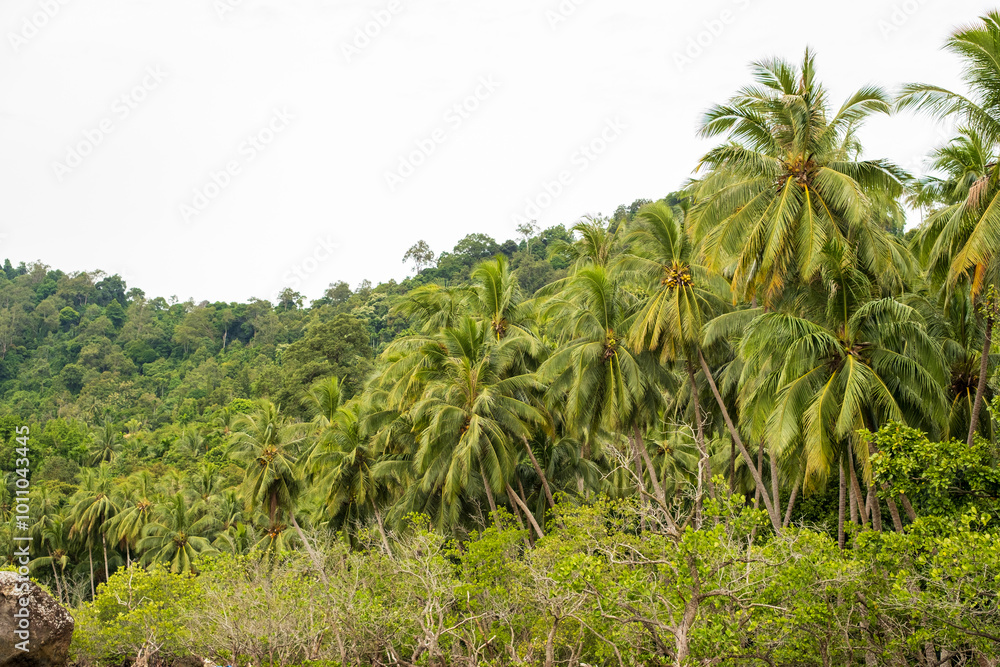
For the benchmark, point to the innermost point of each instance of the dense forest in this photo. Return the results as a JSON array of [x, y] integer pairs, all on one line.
[[752, 422]]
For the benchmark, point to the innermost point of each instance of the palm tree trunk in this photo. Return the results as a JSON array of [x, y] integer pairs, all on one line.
[[317, 562], [90, 557], [640, 483], [841, 493], [55, 575], [699, 436], [540, 473], [799, 481], [775, 520], [732, 467], [876, 511], [489, 491], [128, 555], [907, 507], [861, 508], [977, 404], [640, 447], [527, 512], [897, 522], [517, 514], [104, 545], [661, 495], [775, 496]]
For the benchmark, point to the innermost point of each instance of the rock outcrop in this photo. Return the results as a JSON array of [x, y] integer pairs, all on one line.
[[49, 626]]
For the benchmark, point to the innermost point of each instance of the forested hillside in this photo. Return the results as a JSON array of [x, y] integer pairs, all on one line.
[[748, 423]]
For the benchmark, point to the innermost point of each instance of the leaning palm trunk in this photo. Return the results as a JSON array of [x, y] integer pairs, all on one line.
[[381, 528], [791, 499], [489, 491], [90, 557], [524, 508], [540, 473], [661, 495], [699, 436], [55, 575], [317, 562], [775, 519], [104, 545]]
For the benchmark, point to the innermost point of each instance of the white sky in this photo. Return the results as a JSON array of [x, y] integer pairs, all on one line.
[[321, 180]]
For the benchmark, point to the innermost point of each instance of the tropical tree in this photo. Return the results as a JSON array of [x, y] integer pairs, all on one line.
[[93, 507], [678, 297], [853, 362], [105, 444], [471, 410], [599, 381], [176, 536], [789, 181], [341, 465], [966, 234]]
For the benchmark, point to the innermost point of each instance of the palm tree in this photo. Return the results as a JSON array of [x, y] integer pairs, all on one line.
[[789, 180], [54, 538], [853, 362], [268, 446], [106, 443], [679, 296], [92, 509], [595, 243], [176, 536], [342, 464], [604, 383], [471, 409], [967, 234]]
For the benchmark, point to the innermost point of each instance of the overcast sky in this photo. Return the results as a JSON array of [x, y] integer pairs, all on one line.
[[223, 149]]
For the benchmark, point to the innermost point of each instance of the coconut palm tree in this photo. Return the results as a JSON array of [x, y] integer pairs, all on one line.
[[268, 446], [54, 538], [470, 412], [135, 511], [966, 235], [678, 298], [105, 444], [93, 506], [789, 180], [600, 381], [342, 465], [177, 536], [851, 362]]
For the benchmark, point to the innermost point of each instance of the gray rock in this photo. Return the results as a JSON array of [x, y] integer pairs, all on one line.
[[50, 626]]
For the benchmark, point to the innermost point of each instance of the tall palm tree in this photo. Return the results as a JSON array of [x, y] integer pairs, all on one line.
[[789, 180], [93, 507], [342, 465], [268, 446], [602, 382], [105, 444], [471, 410], [852, 362], [54, 538], [967, 234], [679, 296], [176, 536]]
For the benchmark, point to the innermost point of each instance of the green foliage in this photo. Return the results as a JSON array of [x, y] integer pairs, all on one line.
[[942, 479], [136, 612]]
